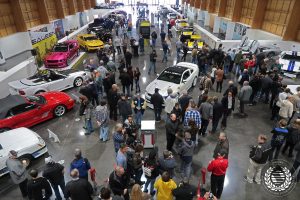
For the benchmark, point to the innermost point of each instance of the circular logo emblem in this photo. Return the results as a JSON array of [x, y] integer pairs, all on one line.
[[277, 178]]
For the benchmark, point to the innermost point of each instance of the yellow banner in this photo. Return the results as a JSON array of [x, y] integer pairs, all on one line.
[[43, 47]]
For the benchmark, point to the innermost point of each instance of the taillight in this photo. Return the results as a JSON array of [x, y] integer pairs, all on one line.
[[21, 92]]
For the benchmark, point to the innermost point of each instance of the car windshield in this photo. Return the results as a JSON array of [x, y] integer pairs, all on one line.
[[170, 76], [291, 57], [36, 99], [90, 38], [60, 49]]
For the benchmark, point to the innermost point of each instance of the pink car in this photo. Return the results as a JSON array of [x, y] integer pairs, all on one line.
[[62, 54]]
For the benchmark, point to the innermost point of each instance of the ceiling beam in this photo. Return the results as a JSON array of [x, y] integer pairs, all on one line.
[[43, 11], [259, 14], [237, 11], [72, 7], [18, 15], [222, 8], [293, 23], [60, 9]]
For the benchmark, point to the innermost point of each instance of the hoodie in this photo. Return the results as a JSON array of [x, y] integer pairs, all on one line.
[[102, 115], [186, 150], [164, 189]]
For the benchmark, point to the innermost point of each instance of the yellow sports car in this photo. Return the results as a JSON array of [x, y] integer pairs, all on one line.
[[89, 42], [192, 40], [181, 23]]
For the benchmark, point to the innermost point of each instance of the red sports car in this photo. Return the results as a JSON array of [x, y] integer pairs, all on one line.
[[25, 111]]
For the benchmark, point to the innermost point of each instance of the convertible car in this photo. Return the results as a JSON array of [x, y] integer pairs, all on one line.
[[25, 111], [89, 42], [180, 77], [47, 80], [62, 54]]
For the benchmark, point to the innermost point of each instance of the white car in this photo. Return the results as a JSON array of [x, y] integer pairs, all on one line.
[[290, 61], [180, 77], [47, 80], [181, 23], [27, 143]]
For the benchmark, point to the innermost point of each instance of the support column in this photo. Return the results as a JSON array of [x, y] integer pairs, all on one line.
[[293, 24], [60, 9], [259, 14], [197, 4], [237, 11], [93, 3], [222, 8], [203, 5], [72, 7], [192, 3], [211, 6], [80, 5], [43, 12], [18, 16]]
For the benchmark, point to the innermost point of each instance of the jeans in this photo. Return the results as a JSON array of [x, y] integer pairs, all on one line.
[[153, 43], [165, 58], [137, 85], [151, 182], [204, 125], [290, 146], [103, 133], [89, 126], [253, 95], [170, 141], [178, 54], [215, 123], [138, 117], [265, 92], [185, 169], [62, 185], [277, 150], [225, 115], [157, 113], [254, 171], [226, 69], [242, 107], [237, 70], [152, 65], [127, 88], [113, 113], [194, 59], [142, 49], [119, 50], [295, 167], [219, 85], [217, 183], [137, 175]]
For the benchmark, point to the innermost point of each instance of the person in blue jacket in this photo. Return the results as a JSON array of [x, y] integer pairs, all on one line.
[[81, 164], [278, 138]]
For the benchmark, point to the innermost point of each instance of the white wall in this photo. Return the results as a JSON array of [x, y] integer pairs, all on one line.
[[23, 70], [15, 44], [256, 34]]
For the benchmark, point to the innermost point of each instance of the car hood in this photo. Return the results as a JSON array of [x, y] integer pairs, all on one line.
[[163, 87], [55, 97], [57, 56], [286, 65], [94, 43]]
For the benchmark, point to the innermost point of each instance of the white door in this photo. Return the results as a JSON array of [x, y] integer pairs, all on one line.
[[57, 83], [186, 80], [254, 46], [244, 41]]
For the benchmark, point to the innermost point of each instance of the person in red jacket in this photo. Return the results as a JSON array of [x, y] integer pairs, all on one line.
[[218, 168]]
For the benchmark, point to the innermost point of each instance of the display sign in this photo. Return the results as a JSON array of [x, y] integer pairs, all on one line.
[[239, 31], [59, 29]]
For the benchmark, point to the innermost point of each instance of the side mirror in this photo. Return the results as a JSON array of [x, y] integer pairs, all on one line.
[[183, 81]]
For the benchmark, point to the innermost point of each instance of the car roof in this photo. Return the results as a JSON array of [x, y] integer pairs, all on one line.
[[9, 102], [177, 69]]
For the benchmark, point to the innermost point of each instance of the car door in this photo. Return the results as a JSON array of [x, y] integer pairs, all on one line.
[[58, 83], [3, 158], [254, 46], [71, 50], [80, 40], [186, 80], [25, 115]]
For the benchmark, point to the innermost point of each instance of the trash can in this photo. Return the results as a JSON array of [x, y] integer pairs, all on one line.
[[148, 133]]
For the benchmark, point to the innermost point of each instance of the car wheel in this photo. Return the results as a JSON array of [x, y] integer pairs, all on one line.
[[59, 110], [78, 82], [26, 159], [4, 129], [40, 91], [195, 81]]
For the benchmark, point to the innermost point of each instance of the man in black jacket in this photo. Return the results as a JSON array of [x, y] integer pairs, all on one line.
[[78, 188], [184, 101], [217, 114], [54, 172], [231, 88], [185, 191], [119, 182], [172, 128], [37, 185], [222, 144], [125, 81], [259, 155], [113, 98], [128, 57], [157, 101]]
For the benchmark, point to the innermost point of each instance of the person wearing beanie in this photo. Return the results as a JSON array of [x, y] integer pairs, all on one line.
[[17, 172], [54, 172], [81, 164]]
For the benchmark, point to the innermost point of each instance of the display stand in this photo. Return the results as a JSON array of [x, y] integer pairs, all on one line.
[[148, 133]]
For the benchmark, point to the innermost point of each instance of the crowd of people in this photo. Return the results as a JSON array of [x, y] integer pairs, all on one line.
[[186, 120]]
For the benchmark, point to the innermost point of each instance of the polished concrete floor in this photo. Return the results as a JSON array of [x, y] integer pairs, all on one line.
[[242, 132]]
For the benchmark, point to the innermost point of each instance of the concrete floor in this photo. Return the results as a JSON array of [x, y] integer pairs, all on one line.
[[242, 132]]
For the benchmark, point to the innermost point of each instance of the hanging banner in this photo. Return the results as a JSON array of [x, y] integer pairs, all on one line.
[[42, 42], [239, 31], [59, 29], [216, 26], [229, 31]]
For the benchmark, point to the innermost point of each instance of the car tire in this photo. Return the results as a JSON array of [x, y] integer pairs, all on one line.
[[40, 91], [195, 82], [78, 82], [4, 129], [26, 158], [59, 110]]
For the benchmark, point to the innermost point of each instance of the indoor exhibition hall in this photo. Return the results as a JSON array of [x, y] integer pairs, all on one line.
[[149, 99]]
